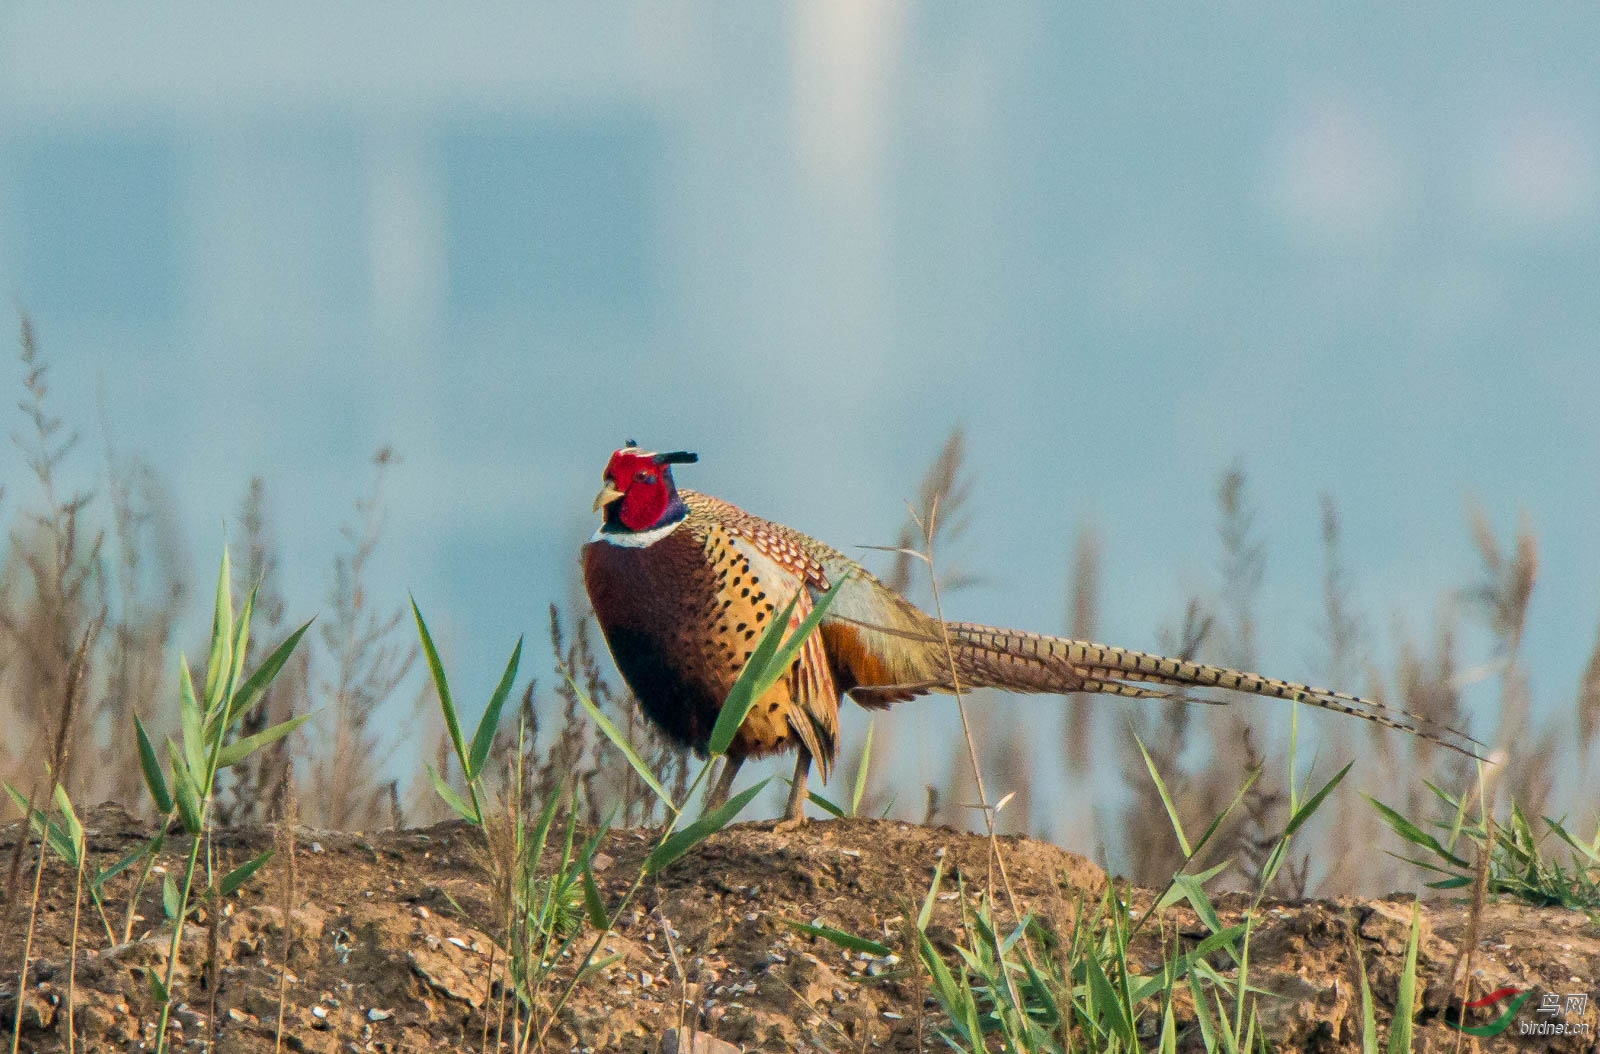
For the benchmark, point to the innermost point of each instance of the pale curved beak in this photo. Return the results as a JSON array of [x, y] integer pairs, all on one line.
[[608, 494]]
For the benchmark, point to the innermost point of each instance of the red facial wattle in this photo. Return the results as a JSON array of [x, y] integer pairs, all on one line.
[[643, 502], [646, 492], [639, 494]]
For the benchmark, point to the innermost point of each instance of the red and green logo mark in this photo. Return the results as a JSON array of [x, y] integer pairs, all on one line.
[[1499, 1024]]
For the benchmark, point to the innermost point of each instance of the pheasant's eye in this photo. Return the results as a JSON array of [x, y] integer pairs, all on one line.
[[647, 478]]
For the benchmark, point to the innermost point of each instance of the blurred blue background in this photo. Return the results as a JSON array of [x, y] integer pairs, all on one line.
[[1353, 248]]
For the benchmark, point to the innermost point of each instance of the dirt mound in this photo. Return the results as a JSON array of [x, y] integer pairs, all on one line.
[[386, 946]]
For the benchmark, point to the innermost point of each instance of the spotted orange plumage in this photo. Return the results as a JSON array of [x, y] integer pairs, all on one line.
[[683, 585]]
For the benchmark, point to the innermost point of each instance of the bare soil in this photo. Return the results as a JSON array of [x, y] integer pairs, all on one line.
[[388, 947]]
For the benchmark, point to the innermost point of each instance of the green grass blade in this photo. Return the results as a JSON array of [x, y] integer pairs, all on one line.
[[442, 685], [1016, 934], [1244, 788], [620, 741], [248, 692], [153, 779], [1311, 804], [1401, 1027], [682, 841], [743, 695], [1119, 939], [185, 794], [767, 663], [1109, 1004], [226, 708], [102, 876], [1166, 799], [192, 719], [1209, 975], [490, 722], [457, 803], [592, 902], [599, 966], [1175, 892], [1520, 824], [1235, 1028], [240, 749], [541, 830], [221, 658], [43, 825], [1561, 832], [1184, 964], [926, 913], [1424, 865], [955, 998], [1196, 896], [1047, 1006], [860, 788], [847, 941], [239, 875], [592, 846], [1202, 1014], [241, 642], [826, 806], [69, 816], [1369, 1018], [1414, 834], [1269, 870]]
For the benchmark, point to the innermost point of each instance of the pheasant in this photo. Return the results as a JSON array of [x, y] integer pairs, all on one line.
[[684, 584]]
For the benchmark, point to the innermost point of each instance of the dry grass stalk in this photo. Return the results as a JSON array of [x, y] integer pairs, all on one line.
[[58, 763], [1265, 805], [147, 598], [51, 584], [284, 837], [997, 862], [1083, 591], [946, 487], [1461, 966], [368, 665], [72, 952], [1502, 597], [940, 508], [677, 966], [213, 973], [1343, 631], [1244, 565], [80, 663], [1588, 707]]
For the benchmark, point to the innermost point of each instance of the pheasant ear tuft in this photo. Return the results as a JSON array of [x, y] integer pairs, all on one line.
[[630, 444], [677, 457]]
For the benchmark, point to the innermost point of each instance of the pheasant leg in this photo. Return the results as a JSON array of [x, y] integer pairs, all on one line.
[[719, 790], [795, 813]]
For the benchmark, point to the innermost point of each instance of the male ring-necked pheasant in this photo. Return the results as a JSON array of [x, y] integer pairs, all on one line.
[[683, 585]]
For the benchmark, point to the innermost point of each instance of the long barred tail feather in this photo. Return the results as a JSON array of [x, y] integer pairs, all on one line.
[[990, 657]]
